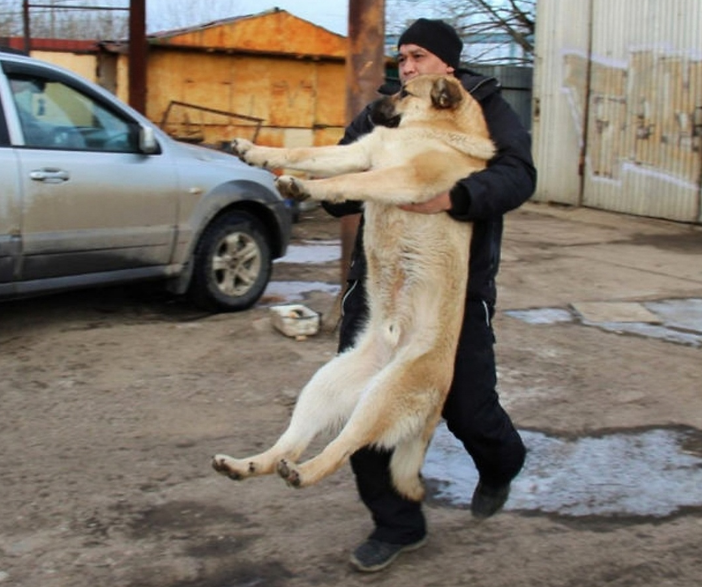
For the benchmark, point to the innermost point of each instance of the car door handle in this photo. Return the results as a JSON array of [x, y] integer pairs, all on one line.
[[49, 175]]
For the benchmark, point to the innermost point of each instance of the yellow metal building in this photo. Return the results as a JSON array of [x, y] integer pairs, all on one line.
[[272, 75]]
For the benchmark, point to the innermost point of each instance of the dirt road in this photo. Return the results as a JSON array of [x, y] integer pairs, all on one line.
[[114, 401]]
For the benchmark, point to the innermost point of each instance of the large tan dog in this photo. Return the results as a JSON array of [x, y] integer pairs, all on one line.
[[389, 389]]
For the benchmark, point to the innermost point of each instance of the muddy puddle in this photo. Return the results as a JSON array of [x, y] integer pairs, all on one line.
[[295, 291], [643, 472], [313, 252]]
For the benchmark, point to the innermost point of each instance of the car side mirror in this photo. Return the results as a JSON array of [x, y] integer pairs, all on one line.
[[147, 140]]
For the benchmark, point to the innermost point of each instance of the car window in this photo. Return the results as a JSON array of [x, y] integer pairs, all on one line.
[[54, 115]]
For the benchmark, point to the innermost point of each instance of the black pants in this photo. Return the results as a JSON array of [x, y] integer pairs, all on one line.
[[472, 412]]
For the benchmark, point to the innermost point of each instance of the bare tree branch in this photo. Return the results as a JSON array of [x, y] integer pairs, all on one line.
[[74, 19], [514, 21], [481, 23]]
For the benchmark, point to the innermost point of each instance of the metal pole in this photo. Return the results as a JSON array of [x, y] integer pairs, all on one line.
[[365, 72], [137, 55], [365, 64], [25, 24]]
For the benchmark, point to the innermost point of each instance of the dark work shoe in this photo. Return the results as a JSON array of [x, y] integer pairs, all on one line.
[[374, 555], [487, 500]]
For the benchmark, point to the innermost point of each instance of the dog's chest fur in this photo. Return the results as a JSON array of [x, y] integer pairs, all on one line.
[[413, 240]]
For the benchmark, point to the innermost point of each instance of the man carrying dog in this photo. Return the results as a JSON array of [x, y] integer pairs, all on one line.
[[472, 410]]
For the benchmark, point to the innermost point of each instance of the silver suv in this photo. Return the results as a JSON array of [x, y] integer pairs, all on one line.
[[93, 193]]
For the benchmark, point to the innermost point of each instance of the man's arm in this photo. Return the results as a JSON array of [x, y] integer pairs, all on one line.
[[510, 178], [440, 203]]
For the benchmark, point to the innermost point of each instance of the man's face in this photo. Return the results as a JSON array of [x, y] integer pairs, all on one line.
[[414, 60]]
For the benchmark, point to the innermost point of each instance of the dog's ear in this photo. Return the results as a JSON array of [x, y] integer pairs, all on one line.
[[445, 93]]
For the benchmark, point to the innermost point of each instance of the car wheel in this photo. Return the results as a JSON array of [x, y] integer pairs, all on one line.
[[232, 264]]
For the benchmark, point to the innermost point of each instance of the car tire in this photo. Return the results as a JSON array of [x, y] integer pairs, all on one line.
[[232, 264]]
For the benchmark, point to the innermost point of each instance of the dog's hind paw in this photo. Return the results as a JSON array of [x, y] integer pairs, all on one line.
[[223, 465], [287, 472], [291, 187]]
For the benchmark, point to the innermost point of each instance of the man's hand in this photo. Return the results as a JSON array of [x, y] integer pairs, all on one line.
[[437, 204]]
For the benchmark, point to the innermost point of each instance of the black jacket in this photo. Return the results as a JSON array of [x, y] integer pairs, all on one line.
[[482, 198]]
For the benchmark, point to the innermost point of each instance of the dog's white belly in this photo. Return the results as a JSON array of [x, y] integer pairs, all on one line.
[[417, 266]]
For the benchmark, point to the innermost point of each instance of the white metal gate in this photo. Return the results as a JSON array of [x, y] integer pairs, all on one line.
[[618, 105]]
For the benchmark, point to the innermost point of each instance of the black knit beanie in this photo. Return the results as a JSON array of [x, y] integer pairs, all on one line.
[[435, 36]]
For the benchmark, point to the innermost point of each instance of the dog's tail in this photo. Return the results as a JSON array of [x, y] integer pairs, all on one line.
[[405, 466]]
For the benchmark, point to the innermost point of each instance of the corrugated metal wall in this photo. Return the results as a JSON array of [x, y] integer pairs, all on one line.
[[618, 105]]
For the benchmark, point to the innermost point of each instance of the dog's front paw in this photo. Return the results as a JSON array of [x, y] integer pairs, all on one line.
[[292, 187], [251, 154], [288, 472], [240, 147]]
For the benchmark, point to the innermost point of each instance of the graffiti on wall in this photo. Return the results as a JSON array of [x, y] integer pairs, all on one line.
[[645, 113]]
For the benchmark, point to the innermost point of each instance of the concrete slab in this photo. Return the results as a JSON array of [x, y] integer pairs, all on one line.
[[597, 312]]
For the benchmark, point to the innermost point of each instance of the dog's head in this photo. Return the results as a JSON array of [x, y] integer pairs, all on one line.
[[425, 97]]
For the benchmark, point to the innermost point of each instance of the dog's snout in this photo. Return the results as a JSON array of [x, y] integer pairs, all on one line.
[[383, 112]]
